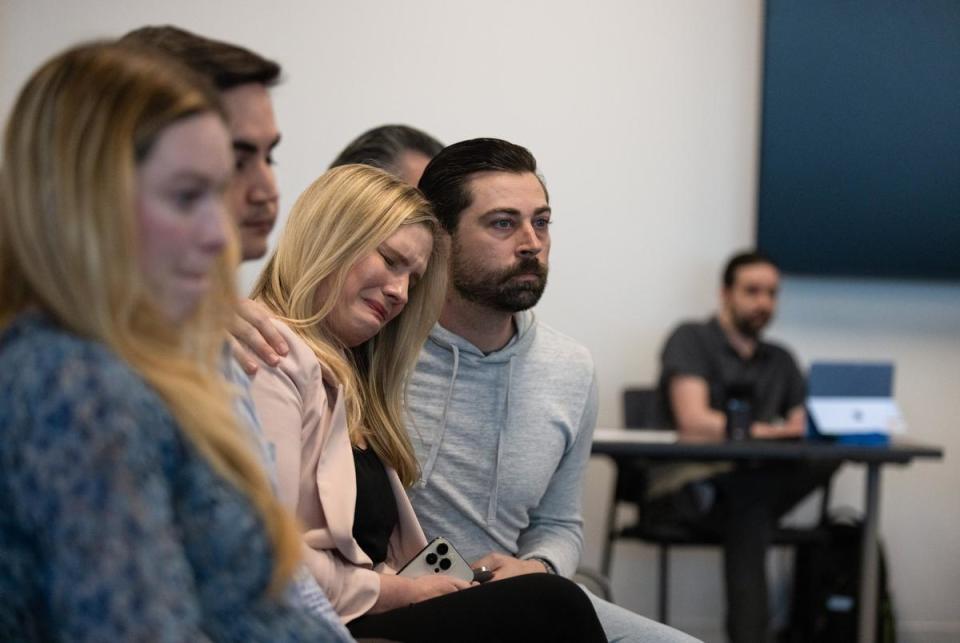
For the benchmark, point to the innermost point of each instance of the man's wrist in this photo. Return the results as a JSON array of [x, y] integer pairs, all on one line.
[[547, 565]]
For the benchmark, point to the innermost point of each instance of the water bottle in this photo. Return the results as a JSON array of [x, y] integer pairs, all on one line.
[[739, 418]]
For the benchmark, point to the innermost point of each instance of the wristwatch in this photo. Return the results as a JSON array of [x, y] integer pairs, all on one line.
[[546, 563]]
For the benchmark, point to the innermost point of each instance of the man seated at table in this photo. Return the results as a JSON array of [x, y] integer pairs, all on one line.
[[720, 370]]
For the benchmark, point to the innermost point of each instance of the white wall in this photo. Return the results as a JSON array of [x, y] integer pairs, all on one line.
[[644, 117]]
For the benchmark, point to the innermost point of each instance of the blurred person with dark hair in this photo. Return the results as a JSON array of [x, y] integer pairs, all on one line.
[[243, 79], [719, 378], [401, 150]]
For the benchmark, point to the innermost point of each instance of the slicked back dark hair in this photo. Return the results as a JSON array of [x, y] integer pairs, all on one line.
[[444, 181], [382, 147], [741, 259], [223, 64]]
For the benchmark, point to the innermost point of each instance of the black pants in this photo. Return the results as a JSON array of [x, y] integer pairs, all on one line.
[[750, 503], [534, 607]]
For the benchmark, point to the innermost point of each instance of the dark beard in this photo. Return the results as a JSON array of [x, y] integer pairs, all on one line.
[[749, 326], [498, 290]]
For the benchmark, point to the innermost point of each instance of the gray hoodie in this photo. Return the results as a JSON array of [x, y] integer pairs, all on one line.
[[502, 441]]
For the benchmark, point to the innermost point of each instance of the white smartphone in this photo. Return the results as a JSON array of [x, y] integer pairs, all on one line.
[[438, 557]]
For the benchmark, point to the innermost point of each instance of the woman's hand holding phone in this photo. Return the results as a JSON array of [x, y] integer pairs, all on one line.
[[399, 591], [426, 587]]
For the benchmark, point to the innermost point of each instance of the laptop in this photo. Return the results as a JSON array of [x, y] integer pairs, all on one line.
[[852, 402]]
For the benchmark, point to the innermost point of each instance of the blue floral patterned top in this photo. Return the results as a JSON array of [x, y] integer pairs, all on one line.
[[112, 526]]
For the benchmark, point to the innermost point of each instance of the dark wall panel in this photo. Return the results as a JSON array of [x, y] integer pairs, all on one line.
[[860, 152]]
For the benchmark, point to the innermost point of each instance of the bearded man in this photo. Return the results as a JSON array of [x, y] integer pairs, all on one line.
[[707, 368], [501, 406]]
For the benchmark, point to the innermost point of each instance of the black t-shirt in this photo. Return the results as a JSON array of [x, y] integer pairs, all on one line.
[[375, 516], [702, 349]]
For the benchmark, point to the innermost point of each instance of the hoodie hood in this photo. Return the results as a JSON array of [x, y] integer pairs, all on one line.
[[526, 330]]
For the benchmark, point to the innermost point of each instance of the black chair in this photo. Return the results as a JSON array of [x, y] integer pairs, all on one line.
[[641, 408]]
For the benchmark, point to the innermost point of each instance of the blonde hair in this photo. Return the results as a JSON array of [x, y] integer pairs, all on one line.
[[68, 246], [340, 218]]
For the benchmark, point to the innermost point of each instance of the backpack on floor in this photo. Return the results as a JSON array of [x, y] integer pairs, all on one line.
[[826, 587]]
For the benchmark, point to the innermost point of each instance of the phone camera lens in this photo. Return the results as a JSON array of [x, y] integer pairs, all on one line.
[[431, 559], [442, 549], [445, 563]]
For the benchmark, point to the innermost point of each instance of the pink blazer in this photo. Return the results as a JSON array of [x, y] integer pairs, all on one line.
[[304, 419]]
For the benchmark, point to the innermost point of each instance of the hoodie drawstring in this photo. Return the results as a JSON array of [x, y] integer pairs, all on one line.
[[495, 479], [435, 449]]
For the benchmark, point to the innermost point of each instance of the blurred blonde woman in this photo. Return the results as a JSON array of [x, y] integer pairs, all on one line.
[[131, 506], [356, 284]]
